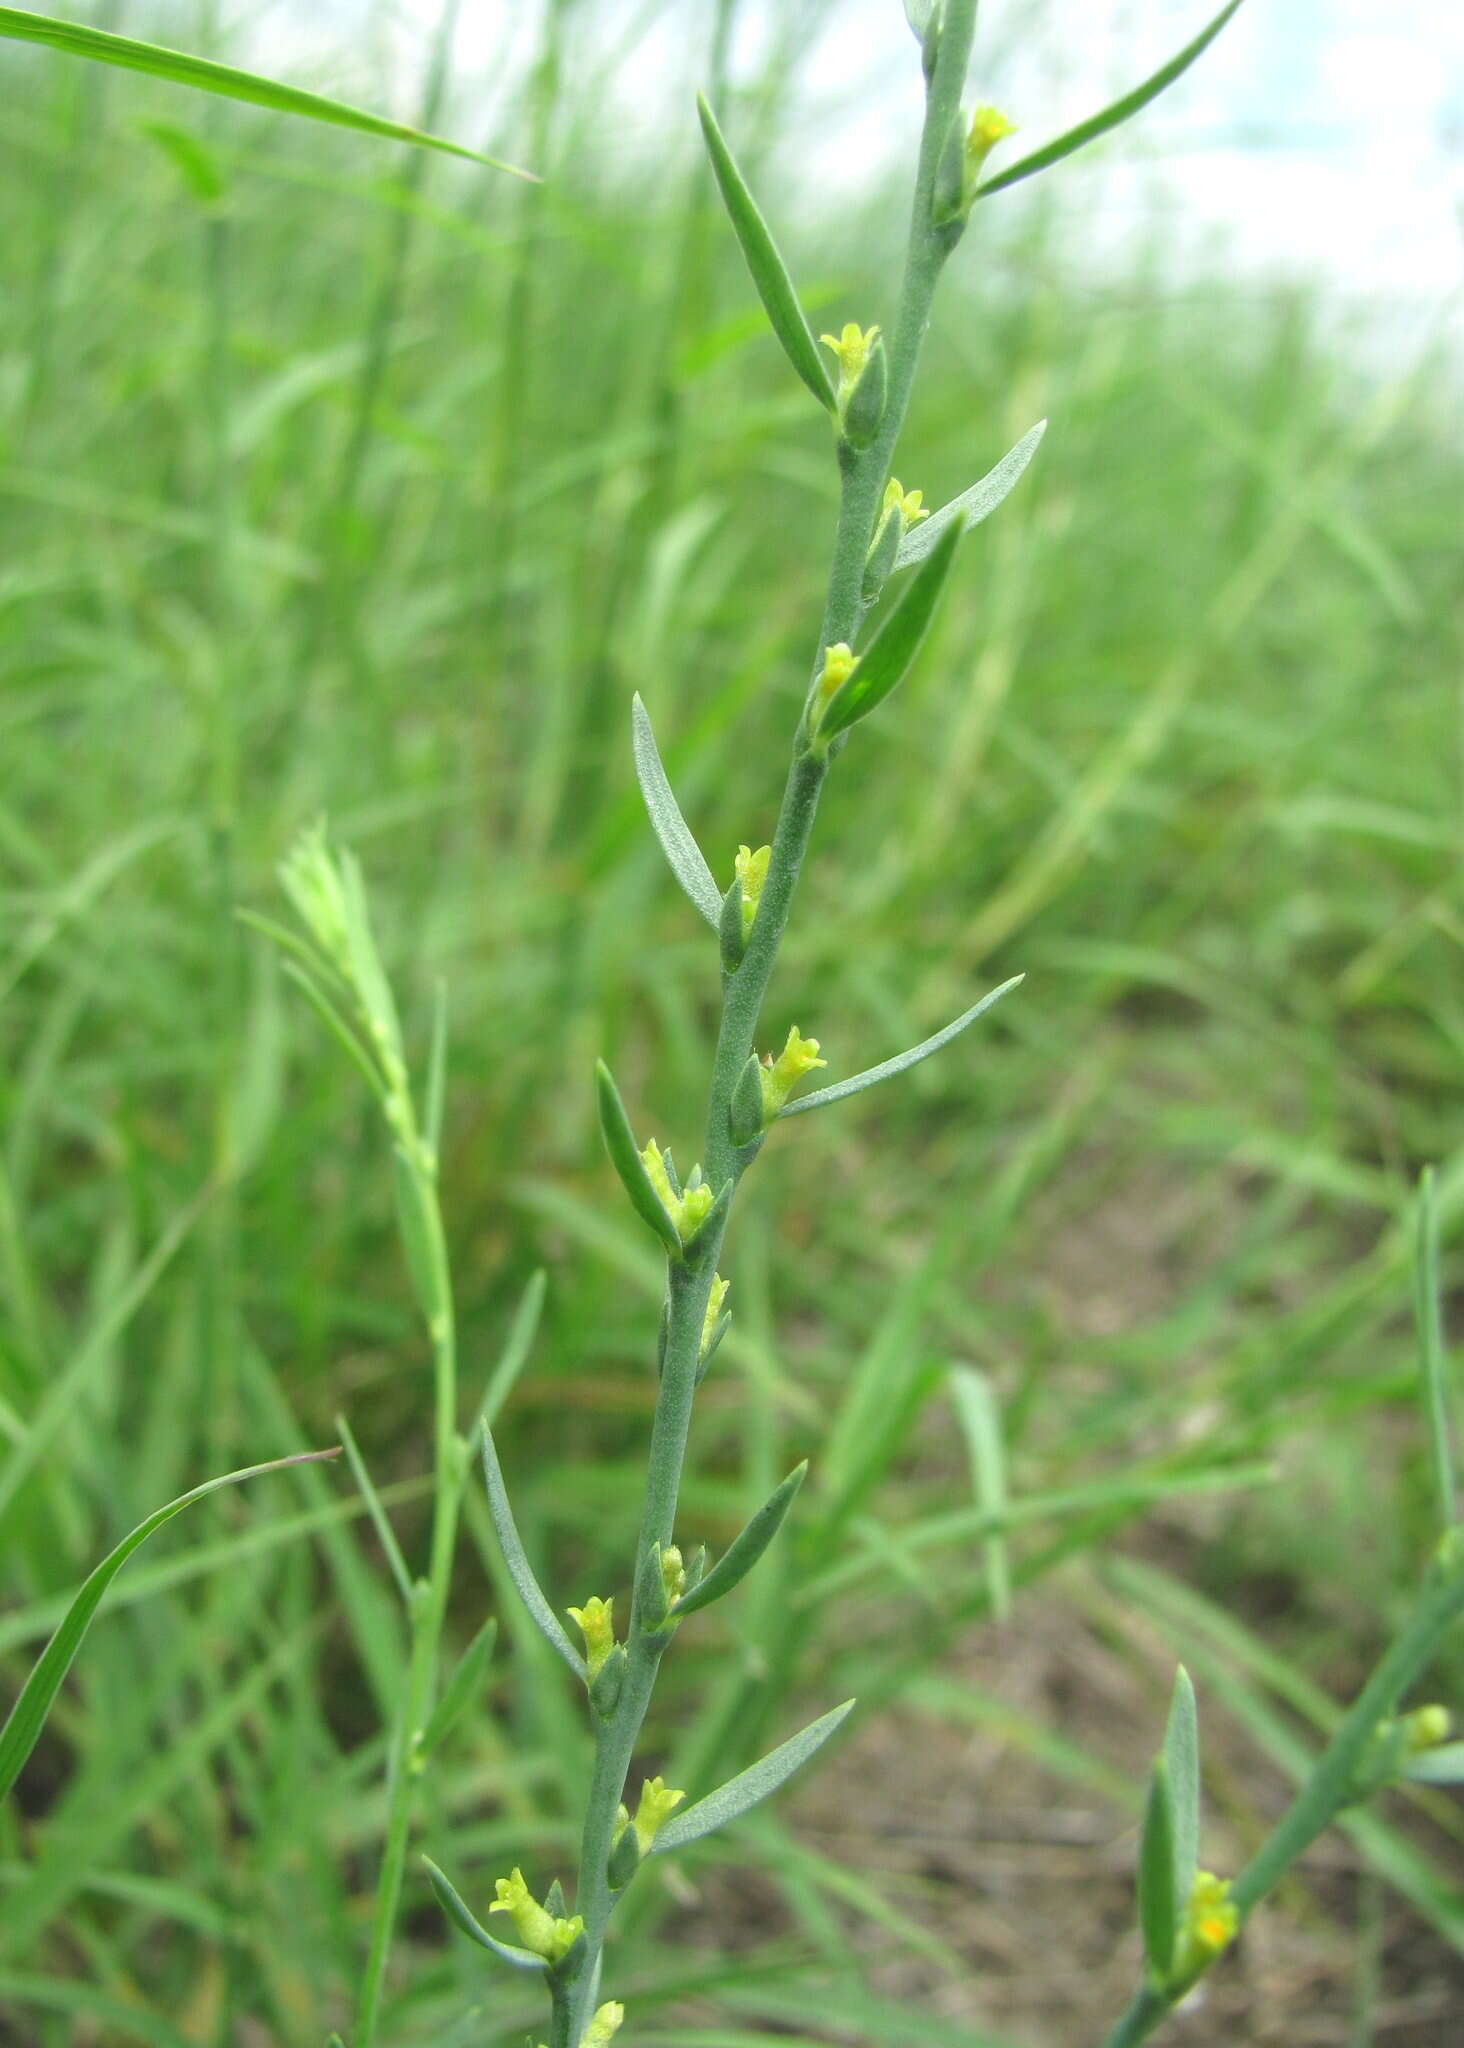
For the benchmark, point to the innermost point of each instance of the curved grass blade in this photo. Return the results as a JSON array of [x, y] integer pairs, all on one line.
[[625, 1158], [177, 67], [516, 1558], [745, 1549], [686, 859], [1433, 1379], [856, 1083], [466, 1923], [462, 1688], [380, 1520], [978, 503], [979, 1415], [1111, 116], [1158, 1903], [730, 1801], [27, 1717], [886, 661], [769, 272]]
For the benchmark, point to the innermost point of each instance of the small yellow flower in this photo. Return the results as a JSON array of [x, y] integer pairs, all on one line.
[[714, 1310], [988, 128], [1427, 1727], [538, 1930], [851, 348], [607, 2022], [839, 663], [906, 503], [673, 1573], [782, 1075], [691, 1212], [752, 872], [1209, 1926], [657, 1804], [596, 1623], [688, 1211]]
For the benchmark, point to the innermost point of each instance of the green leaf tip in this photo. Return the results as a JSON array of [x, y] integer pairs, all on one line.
[[746, 1547], [684, 857], [629, 1162], [857, 1083], [769, 272], [1113, 115], [226, 81], [740, 1794], [458, 1912]]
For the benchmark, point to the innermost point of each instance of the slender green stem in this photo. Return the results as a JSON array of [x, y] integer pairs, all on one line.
[[1332, 1784], [863, 476], [428, 1610]]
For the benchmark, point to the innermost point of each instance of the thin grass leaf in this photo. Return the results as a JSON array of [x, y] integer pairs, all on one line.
[[436, 1071], [225, 80], [740, 1794], [769, 272], [1433, 1378], [516, 1348], [686, 859], [337, 1026], [625, 1158], [977, 503], [462, 1688], [465, 1922], [516, 1559], [1112, 116], [27, 1717], [385, 1534], [1182, 1772], [980, 1420], [887, 660], [1158, 1900], [887, 1068], [745, 1548]]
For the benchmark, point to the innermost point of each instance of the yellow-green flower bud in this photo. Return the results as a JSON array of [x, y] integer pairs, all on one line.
[[596, 1623], [607, 2022], [691, 1211], [782, 1075], [673, 1573], [714, 1310], [988, 128], [688, 1210], [839, 663], [538, 1930], [657, 1804], [1210, 1921], [851, 349], [906, 504], [752, 872], [1426, 1727]]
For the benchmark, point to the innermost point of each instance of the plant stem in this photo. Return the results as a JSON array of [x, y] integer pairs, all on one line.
[[1331, 1786], [863, 475], [428, 1610]]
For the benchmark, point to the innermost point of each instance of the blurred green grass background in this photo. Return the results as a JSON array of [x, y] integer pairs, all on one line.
[[339, 482]]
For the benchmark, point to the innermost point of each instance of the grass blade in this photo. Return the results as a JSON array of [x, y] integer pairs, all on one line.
[[769, 272], [462, 1688], [1112, 116], [978, 503], [385, 1534], [516, 1348], [746, 1547], [204, 75], [27, 1717], [886, 661], [516, 1558], [686, 859], [730, 1801], [856, 1084], [980, 1419], [1433, 1360]]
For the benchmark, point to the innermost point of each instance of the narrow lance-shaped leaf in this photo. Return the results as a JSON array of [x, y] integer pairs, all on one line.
[[686, 859], [462, 1688], [745, 1549], [380, 1521], [27, 1717], [769, 273], [977, 503], [887, 1068], [1158, 1903], [177, 67], [980, 1419], [625, 1158], [1111, 116], [466, 1923], [1182, 1772], [516, 1558], [887, 659], [740, 1794], [1441, 1766]]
